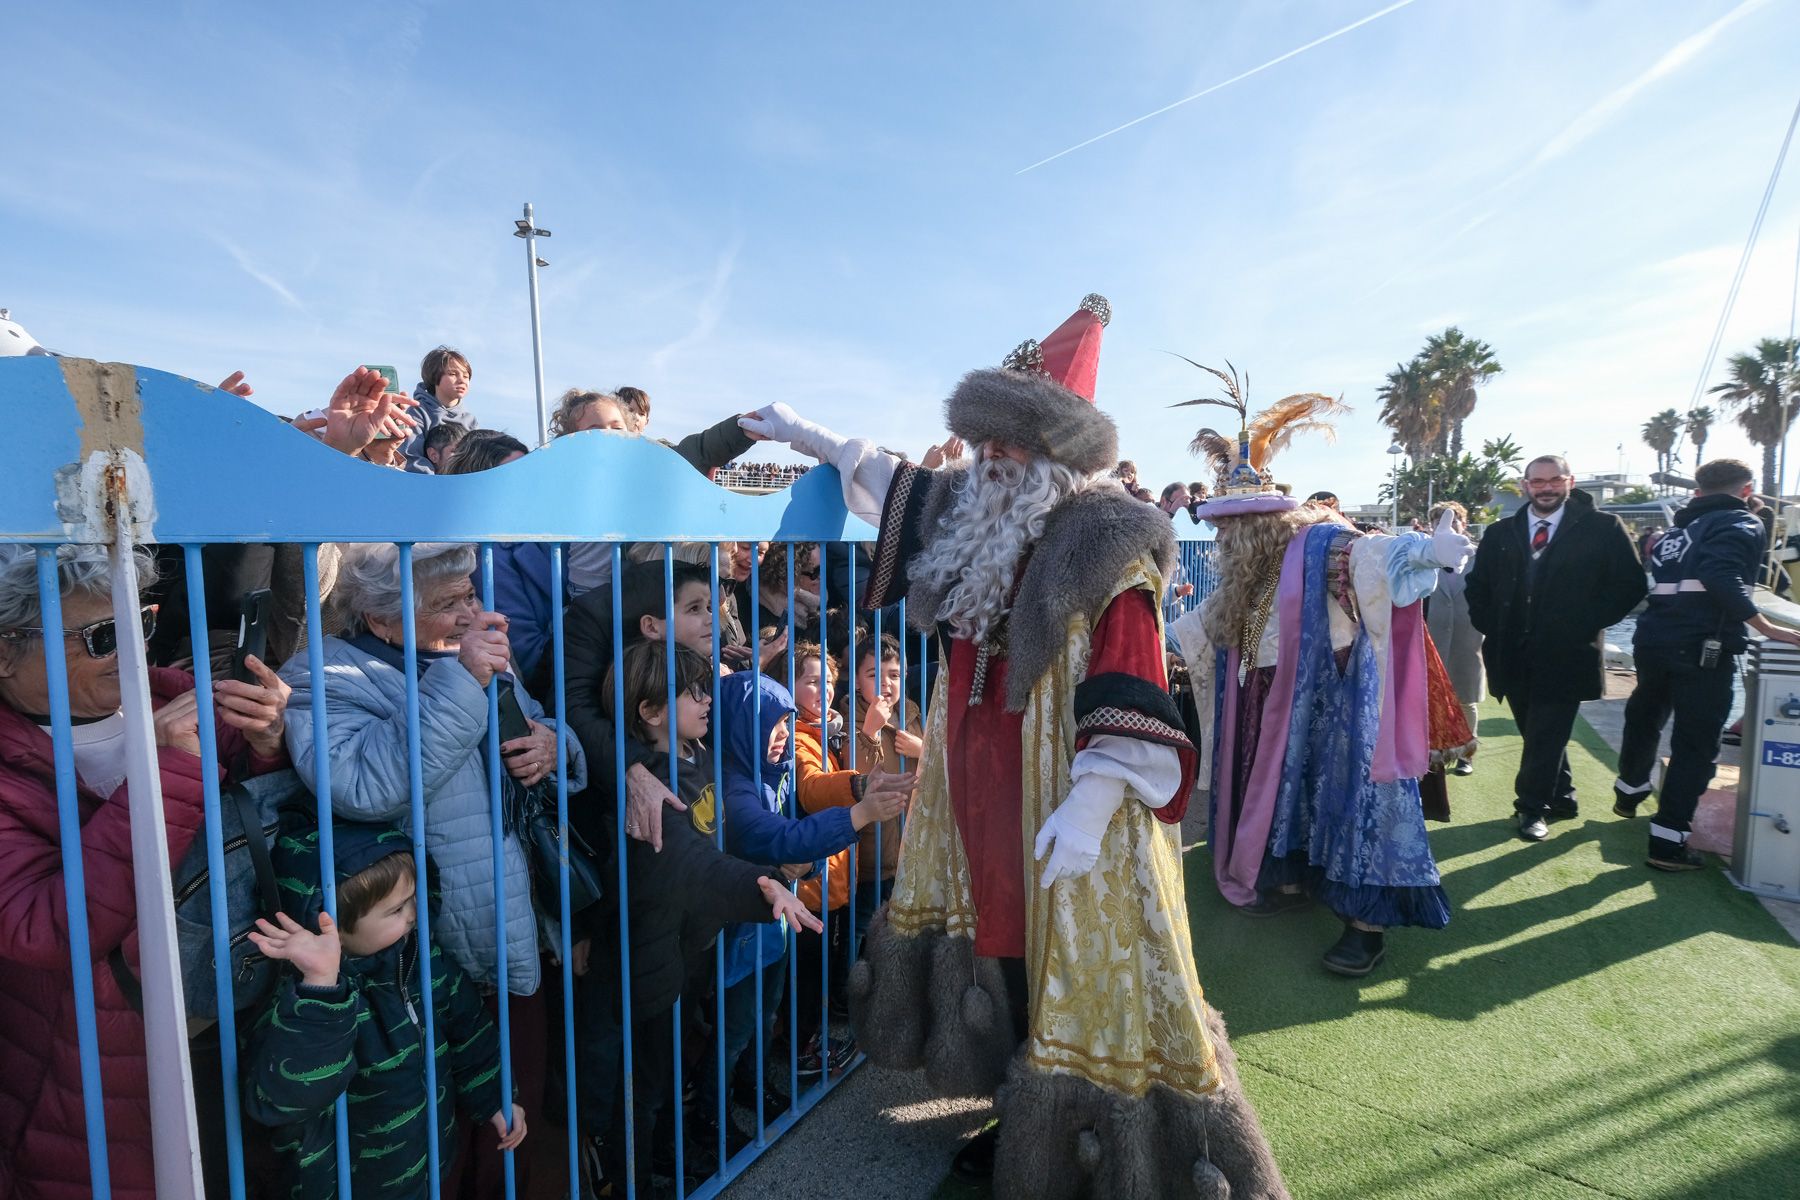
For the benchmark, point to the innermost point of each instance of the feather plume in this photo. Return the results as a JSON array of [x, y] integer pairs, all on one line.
[[1233, 389], [1272, 429], [1216, 449]]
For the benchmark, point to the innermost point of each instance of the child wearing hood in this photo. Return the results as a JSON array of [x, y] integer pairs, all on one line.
[[347, 1021], [758, 795]]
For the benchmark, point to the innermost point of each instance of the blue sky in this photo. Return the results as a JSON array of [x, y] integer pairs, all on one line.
[[822, 204]]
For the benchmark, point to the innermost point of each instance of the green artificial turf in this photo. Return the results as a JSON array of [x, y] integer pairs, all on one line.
[[1585, 1027]]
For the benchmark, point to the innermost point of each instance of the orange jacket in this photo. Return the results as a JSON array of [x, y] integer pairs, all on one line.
[[823, 786]]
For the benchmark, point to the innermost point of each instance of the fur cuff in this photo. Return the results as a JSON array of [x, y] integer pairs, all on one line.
[[1062, 1137], [928, 1001]]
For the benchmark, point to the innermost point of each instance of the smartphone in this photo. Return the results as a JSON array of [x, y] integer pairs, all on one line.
[[389, 374], [512, 718], [253, 633]]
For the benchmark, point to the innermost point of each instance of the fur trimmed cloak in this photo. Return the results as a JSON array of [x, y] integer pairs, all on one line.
[[1124, 1085]]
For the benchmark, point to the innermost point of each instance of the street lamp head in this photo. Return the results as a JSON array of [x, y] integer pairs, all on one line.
[[1396, 448], [543, 262], [522, 229], [541, 232]]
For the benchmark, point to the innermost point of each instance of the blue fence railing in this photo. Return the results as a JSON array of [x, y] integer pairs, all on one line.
[[405, 722]]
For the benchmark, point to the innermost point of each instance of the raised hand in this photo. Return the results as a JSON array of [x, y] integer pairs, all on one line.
[[1449, 548], [876, 716], [177, 723], [360, 409], [785, 906], [259, 709], [315, 955], [484, 651], [234, 383], [884, 797]]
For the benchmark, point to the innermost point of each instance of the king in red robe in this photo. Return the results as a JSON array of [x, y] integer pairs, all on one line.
[[1036, 942]]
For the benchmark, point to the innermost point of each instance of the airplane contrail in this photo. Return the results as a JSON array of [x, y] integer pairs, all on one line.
[[1376, 16]]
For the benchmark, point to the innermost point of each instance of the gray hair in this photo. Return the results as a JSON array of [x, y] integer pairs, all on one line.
[[369, 580], [697, 554], [81, 570]]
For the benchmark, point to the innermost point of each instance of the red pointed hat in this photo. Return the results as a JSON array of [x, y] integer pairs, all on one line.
[[1042, 397]]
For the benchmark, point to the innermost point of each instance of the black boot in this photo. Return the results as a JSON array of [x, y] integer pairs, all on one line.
[[1666, 855], [1357, 952], [1625, 804], [1273, 904], [974, 1163]]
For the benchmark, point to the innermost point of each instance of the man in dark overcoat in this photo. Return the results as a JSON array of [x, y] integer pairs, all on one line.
[[1547, 583]]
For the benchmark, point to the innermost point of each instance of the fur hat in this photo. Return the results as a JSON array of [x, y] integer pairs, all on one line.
[[1041, 399]]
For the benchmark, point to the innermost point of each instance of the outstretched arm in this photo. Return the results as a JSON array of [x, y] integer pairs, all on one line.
[[867, 472]]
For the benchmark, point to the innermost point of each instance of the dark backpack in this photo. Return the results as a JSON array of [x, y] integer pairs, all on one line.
[[249, 813]]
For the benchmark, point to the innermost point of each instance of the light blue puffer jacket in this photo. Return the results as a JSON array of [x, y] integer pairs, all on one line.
[[365, 713]]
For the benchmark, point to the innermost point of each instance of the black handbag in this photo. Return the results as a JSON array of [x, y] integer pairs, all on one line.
[[549, 854]]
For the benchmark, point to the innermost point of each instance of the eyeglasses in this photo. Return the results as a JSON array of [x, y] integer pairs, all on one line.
[[101, 639]]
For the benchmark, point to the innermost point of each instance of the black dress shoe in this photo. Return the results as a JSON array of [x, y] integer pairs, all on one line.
[[1356, 952], [1532, 827], [1273, 904], [974, 1163], [1673, 856]]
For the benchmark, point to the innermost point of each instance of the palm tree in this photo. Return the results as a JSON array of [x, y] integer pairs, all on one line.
[[1699, 422], [1456, 366], [1409, 408], [1504, 451], [1660, 433], [1761, 393]]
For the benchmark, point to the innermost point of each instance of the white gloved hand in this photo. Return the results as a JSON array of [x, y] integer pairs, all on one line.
[[779, 423], [1450, 549], [1072, 832]]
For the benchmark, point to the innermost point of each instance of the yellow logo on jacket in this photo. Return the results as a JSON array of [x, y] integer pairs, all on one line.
[[702, 812]]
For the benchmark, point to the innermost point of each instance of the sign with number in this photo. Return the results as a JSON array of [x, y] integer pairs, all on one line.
[[1780, 754]]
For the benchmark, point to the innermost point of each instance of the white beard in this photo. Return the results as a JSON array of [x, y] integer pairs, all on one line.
[[999, 512]]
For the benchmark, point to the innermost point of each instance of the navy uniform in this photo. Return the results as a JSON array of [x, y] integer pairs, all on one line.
[[1703, 570]]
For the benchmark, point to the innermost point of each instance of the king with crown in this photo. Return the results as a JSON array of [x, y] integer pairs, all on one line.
[[1035, 946], [1326, 700]]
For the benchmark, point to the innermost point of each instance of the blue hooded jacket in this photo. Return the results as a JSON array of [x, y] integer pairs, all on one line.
[[757, 827]]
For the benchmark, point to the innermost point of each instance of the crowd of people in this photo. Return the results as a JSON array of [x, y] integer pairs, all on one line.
[[836, 736], [759, 476], [781, 706]]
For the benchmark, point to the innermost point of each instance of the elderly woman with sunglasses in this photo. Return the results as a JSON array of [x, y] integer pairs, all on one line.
[[43, 1140], [460, 648]]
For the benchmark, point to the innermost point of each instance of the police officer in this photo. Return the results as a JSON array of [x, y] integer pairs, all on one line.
[[1687, 644]]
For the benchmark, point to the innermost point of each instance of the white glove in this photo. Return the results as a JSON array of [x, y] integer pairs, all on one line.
[[1072, 832], [779, 423], [1449, 549]]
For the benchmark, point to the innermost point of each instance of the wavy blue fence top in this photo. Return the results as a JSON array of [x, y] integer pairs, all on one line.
[[220, 469]]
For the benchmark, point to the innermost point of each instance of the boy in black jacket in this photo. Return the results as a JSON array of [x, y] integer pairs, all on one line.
[[348, 1020], [680, 897]]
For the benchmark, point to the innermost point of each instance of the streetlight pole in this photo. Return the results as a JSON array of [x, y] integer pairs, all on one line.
[[530, 232], [1394, 452]]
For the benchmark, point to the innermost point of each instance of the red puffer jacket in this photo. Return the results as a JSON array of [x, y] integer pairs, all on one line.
[[43, 1132]]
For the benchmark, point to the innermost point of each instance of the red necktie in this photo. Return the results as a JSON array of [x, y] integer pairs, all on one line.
[[1541, 538]]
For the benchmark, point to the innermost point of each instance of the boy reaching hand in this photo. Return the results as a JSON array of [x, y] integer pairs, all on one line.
[[348, 1020]]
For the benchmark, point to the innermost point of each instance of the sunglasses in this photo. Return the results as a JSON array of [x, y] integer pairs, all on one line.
[[101, 639]]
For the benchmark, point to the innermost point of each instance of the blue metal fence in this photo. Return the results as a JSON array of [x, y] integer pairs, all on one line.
[[121, 457]]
